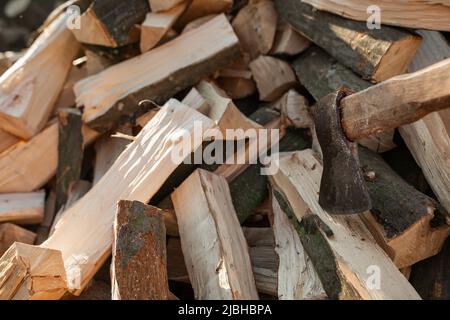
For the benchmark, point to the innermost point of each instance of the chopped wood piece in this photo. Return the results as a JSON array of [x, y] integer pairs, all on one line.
[[31, 273], [429, 138], [297, 278], [198, 22], [409, 225], [27, 166], [288, 41], [418, 14], [321, 74], [6, 140], [163, 5], [255, 26], [10, 233], [22, 208], [111, 23], [201, 8], [70, 153], [138, 268], [237, 88], [157, 24], [342, 250], [430, 277], [107, 150], [49, 214], [156, 75], [391, 50], [30, 88], [222, 109], [196, 101], [137, 174], [295, 110], [7, 59], [273, 77], [213, 243]]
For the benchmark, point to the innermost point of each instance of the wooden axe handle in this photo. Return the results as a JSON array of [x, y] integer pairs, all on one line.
[[395, 102]]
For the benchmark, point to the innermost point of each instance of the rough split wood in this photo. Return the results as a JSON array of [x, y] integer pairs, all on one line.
[[23, 208], [10, 233], [213, 243], [156, 75], [30, 88]]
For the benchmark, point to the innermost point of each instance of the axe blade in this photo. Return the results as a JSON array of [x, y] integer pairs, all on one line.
[[342, 189]]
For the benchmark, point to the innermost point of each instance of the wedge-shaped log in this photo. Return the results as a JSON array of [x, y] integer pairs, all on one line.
[[256, 25], [30, 88], [297, 278], [343, 252], [138, 269], [31, 273], [409, 225], [27, 166], [84, 233], [418, 14], [288, 41], [213, 243], [156, 75], [157, 24], [111, 23], [273, 77], [10, 233], [429, 138], [22, 208], [391, 50]]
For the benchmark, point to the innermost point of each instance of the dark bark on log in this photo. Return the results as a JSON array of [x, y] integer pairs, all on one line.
[[138, 270], [70, 153], [348, 40]]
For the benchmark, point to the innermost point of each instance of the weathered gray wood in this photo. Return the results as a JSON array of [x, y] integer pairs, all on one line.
[[138, 269], [391, 50]]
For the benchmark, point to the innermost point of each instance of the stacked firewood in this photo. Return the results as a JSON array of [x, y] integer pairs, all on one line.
[[90, 116]]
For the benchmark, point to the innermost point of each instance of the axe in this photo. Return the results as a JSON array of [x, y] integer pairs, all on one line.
[[341, 118]]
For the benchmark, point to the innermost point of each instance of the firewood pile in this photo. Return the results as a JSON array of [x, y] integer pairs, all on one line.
[[337, 185]]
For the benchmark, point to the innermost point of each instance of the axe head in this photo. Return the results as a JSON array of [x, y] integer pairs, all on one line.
[[343, 189]]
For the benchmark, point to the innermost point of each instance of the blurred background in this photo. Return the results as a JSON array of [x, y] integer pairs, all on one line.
[[19, 19]]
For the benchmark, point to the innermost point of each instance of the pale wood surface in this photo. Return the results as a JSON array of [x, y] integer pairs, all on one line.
[[6, 140], [10, 233], [429, 138], [351, 246], [212, 240], [23, 208], [417, 14], [30, 88], [163, 5], [288, 41], [201, 8]]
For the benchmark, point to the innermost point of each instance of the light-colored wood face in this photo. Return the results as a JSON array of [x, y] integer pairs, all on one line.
[[24, 208]]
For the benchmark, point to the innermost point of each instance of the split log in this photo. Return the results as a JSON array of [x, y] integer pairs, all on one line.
[[255, 26], [342, 250], [6, 140], [429, 138], [201, 8], [294, 110], [347, 41], [222, 109], [213, 243], [163, 5], [418, 14], [30, 88], [273, 77], [196, 101], [407, 224], [111, 23], [138, 268], [156, 75], [31, 273], [136, 175], [430, 277], [22, 208], [157, 24], [198, 22], [237, 88], [287, 41], [321, 74], [27, 166], [70, 153], [10, 233], [297, 278]]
